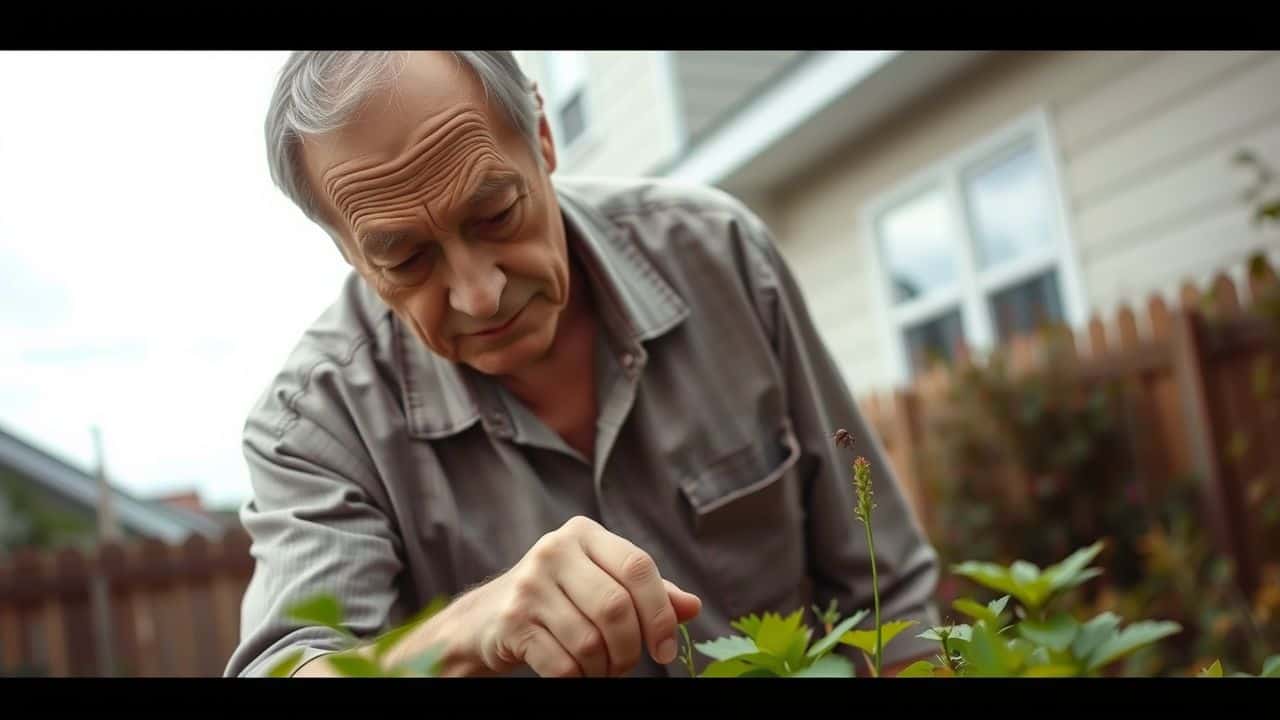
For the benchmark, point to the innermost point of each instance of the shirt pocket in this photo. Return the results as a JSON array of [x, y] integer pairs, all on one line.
[[749, 522]]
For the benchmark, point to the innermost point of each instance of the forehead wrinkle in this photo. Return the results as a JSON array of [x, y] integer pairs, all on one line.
[[371, 194], [435, 131], [407, 176], [462, 167]]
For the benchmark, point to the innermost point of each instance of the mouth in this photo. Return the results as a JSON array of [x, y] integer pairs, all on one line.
[[500, 328]]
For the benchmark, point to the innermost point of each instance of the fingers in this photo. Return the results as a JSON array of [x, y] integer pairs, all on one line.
[[611, 614], [636, 572], [547, 657], [576, 632], [686, 604]]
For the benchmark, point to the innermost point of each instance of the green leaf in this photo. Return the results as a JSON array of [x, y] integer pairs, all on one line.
[[988, 574], [866, 639], [823, 646], [423, 664], [1024, 573], [775, 633], [320, 610], [985, 654], [829, 666], [774, 664], [1131, 638], [1092, 634], [1271, 667], [1055, 634], [286, 666], [749, 625], [919, 668], [1214, 670], [956, 632], [1060, 670], [1071, 571], [350, 665], [727, 647], [997, 606], [796, 656], [975, 610], [725, 668]]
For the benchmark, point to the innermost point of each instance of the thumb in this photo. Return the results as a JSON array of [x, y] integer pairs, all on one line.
[[687, 605]]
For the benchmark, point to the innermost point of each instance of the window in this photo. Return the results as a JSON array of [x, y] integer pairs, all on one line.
[[974, 251], [567, 77]]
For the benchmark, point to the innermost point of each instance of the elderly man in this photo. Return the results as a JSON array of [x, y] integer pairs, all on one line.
[[586, 411]]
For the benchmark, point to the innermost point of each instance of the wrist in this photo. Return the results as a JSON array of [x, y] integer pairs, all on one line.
[[449, 631]]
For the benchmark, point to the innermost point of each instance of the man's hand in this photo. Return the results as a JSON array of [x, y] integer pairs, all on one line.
[[581, 602]]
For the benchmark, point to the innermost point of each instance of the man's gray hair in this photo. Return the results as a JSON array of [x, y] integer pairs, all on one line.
[[317, 92]]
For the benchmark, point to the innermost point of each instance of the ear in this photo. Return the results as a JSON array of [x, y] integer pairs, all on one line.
[[546, 143]]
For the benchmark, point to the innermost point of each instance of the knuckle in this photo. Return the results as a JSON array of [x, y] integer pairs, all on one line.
[[590, 644], [579, 524], [547, 550], [524, 587], [639, 567], [615, 606], [664, 623]]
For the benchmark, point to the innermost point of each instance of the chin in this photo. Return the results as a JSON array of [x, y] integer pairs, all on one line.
[[518, 355]]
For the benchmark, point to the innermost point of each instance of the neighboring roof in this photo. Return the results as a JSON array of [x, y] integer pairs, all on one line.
[[822, 100], [170, 524]]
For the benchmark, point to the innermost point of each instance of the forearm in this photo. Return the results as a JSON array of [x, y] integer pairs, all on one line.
[[444, 630]]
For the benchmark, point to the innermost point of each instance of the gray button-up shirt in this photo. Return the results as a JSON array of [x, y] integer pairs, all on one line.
[[386, 475]]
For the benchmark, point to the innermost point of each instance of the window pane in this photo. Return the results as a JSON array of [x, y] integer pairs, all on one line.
[[572, 119], [937, 340], [1009, 205], [917, 242], [1025, 307]]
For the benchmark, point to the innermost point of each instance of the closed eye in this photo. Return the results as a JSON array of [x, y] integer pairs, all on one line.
[[408, 263], [503, 216]]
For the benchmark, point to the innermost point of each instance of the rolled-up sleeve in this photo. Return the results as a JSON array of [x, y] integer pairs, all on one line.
[[314, 530], [819, 403]]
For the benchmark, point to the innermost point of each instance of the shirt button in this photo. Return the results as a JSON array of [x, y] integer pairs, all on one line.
[[628, 361], [498, 421]]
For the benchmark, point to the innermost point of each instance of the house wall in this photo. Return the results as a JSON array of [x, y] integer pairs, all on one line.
[[1143, 141], [633, 119]]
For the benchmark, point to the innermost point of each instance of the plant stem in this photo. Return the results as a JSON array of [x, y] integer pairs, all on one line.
[[875, 592]]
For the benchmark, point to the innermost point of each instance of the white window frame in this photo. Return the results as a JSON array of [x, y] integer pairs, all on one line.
[[974, 286], [558, 93]]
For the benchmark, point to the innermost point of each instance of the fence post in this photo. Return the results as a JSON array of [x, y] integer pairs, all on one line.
[[906, 419], [1191, 377]]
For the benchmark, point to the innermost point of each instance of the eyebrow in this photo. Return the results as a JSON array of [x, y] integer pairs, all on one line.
[[492, 185], [380, 241]]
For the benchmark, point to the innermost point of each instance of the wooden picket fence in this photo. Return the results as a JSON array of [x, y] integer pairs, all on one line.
[[149, 609], [1194, 409], [170, 610]]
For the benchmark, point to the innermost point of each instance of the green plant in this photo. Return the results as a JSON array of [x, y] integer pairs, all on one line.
[[1045, 639], [357, 658]]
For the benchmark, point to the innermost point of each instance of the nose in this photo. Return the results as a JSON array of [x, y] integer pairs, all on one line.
[[475, 284]]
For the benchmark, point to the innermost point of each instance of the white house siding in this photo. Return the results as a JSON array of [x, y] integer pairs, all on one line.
[[1143, 143], [632, 123]]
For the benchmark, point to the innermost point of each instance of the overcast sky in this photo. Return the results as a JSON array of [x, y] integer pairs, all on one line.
[[152, 279]]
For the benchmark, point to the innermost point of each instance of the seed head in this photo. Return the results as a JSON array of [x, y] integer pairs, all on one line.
[[862, 485]]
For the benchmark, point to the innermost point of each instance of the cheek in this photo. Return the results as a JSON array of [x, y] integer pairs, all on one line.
[[424, 310], [539, 254]]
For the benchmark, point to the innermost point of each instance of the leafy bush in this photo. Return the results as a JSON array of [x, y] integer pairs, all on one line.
[[1044, 640]]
